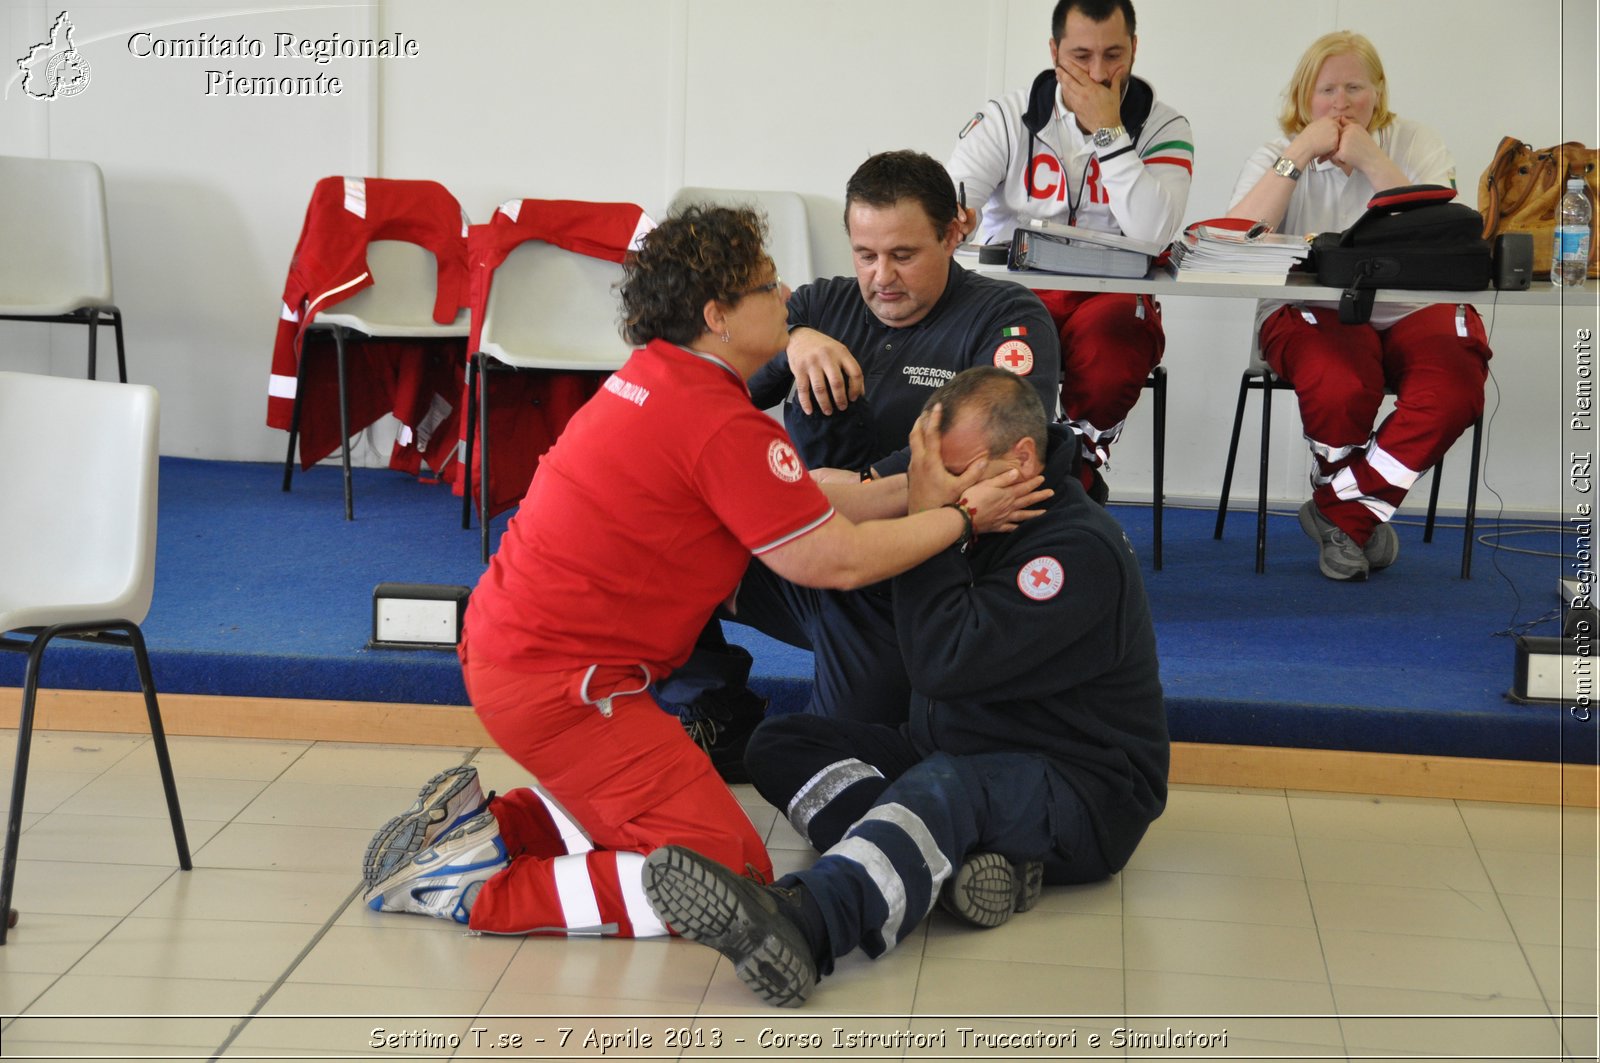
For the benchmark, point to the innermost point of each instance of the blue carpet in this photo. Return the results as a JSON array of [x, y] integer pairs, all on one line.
[[265, 594]]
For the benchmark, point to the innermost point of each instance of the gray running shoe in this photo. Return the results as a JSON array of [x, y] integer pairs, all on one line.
[[444, 880], [1383, 548], [1340, 558], [987, 888], [445, 801], [748, 923]]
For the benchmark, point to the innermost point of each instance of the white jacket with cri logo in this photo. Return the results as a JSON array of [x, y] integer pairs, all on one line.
[[1023, 156]]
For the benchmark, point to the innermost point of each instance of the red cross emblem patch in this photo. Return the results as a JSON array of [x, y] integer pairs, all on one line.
[[1016, 356], [1041, 579], [784, 462]]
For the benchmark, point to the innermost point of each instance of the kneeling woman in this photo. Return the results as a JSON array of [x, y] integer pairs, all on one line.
[[640, 521]]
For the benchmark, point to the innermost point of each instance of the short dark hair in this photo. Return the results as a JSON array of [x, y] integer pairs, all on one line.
[[695, 256], [890, 176], [1010, 407], [1093, 10]]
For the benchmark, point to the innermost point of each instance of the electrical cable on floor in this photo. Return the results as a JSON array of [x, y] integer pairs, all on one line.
[[1491, 539]]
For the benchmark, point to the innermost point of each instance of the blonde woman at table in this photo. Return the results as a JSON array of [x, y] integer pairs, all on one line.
[[1341, 144]]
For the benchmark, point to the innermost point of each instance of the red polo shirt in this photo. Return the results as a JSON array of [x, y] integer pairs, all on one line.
[[641, 520]]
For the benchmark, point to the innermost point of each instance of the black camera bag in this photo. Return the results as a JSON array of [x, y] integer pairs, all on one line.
[[1410, 237]]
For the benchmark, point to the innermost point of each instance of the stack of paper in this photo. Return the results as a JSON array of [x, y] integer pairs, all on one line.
[[1209, 253]]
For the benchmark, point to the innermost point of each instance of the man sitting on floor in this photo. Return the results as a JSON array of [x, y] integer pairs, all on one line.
[[865, 351], [1036, 750]]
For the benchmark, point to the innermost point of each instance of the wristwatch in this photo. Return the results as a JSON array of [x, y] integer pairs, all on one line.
[[1285, 167], [1106, 135]]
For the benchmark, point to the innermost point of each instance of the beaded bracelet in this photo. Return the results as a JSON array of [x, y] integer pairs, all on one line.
[[967, 511]]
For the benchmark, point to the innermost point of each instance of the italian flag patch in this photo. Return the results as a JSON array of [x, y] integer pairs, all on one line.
[[1017, 331]]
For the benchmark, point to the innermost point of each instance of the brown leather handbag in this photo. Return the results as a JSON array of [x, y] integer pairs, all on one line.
[[1520, 190]]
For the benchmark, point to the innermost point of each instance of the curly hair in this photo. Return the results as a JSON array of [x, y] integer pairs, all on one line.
[[700, 254]]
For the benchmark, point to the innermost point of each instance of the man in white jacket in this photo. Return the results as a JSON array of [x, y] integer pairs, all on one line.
[[1088, 144]]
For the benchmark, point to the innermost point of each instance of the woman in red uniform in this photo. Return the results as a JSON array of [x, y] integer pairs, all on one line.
[[1340, 145], [640, 522]]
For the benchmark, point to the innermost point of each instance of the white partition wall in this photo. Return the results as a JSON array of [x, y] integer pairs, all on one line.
[[630, 99]]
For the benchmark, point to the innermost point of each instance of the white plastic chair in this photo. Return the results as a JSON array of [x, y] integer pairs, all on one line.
[[78, 519], [548, 309], [399, 304], [788, 227], [57, 261]]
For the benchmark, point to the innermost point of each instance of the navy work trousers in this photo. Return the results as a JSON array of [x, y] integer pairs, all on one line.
[[893, 824]]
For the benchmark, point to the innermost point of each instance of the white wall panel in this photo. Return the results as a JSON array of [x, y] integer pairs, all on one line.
[[628, 99]]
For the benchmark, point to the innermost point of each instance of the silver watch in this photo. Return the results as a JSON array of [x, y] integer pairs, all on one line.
[[1105, 136], [1285, 167]]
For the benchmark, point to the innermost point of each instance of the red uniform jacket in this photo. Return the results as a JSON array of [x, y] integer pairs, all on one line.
[[417, 381], [527, 411]]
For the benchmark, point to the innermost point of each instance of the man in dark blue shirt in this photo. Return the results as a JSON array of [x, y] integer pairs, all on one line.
[[864, 354], [1036, 750]]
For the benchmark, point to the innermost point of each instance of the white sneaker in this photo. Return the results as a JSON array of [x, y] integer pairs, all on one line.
[[443, 881], [445, 801]]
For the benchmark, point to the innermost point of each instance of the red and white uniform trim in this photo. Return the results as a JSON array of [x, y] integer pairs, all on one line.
[[586, 892]]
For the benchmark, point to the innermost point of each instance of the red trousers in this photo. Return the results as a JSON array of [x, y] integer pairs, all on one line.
[[1434, 360], [613, 788], [1109, 344]]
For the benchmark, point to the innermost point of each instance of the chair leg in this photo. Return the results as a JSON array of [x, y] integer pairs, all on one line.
[[294, 421], [344, 422], [1472, 500], [158, 735], [19, 780], [1233, 452], [30, 695], [483, 458], [1261, 491], [1433, 502], [122, 357], [466, 456], [1159, 385], [92, 319]]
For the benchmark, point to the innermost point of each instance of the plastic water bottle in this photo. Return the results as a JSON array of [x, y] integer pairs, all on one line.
[[1569, 260]]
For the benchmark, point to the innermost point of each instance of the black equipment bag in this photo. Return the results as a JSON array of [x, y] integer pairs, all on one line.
[[1410, 237]]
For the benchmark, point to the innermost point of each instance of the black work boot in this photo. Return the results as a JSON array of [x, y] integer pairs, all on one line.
[[987, 888], [720, 723], [763, 930]]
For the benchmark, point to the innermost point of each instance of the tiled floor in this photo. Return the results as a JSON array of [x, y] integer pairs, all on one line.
[[1278, 925]]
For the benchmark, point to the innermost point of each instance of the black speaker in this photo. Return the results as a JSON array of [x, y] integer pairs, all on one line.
[[1513, 261]]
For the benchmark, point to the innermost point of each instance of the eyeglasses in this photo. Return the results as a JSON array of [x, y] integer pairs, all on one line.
[[761, 289]]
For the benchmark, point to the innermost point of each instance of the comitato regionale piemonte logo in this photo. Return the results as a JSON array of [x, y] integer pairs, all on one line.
[[55, 68]]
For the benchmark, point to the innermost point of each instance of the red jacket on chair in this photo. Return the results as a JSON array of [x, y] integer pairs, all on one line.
[[527, 411], [415, 380]]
